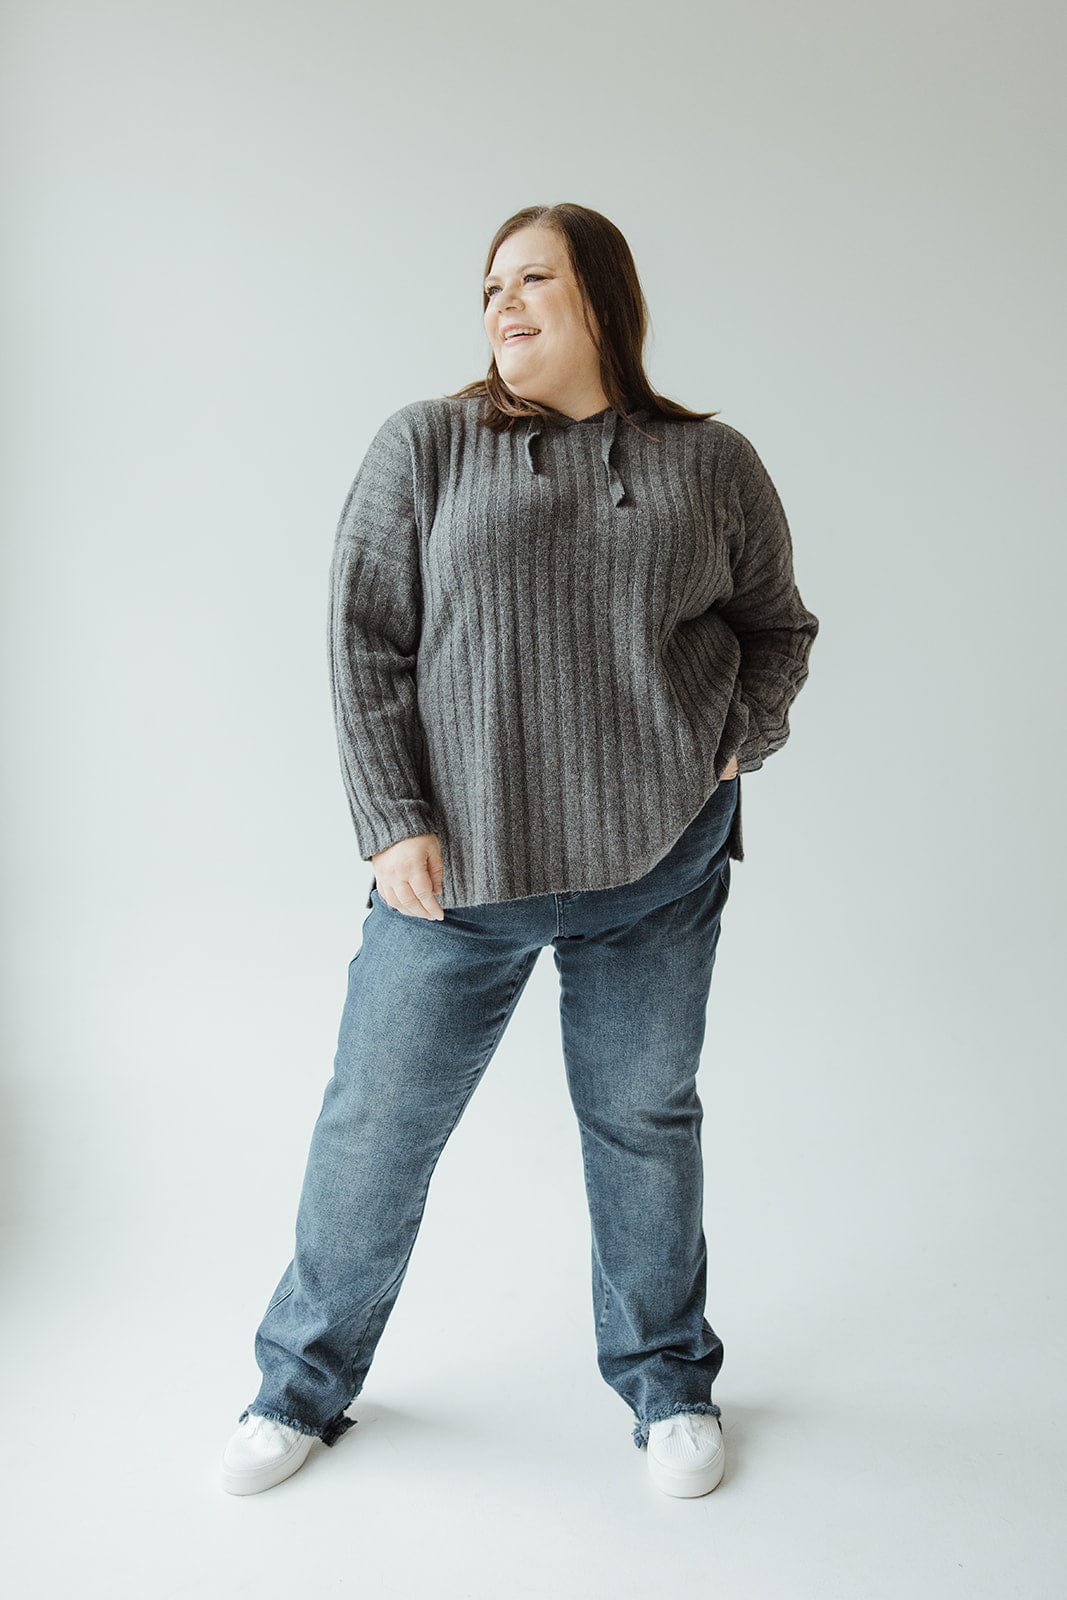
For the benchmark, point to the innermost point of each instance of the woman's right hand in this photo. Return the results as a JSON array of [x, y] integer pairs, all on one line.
[[410, 874]]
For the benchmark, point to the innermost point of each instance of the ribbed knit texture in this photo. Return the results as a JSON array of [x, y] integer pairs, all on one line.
[[546, 644]]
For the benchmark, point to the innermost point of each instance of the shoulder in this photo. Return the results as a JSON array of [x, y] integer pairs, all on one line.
[[727, 441], [421, 437], [423, 419], [716, 443], [735, 456]]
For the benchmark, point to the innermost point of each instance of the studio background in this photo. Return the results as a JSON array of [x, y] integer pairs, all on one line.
[[236, 238]]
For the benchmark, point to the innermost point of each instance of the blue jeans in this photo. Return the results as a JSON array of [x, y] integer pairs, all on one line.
[[426, 1007]]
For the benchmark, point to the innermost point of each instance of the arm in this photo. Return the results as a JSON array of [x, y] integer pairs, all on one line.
[[373, 627], [765, 611]]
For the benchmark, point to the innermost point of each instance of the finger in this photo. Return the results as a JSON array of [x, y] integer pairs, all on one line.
[[424, 889], [405, 900]]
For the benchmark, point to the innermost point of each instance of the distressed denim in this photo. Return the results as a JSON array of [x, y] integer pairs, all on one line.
[[427, 1004]]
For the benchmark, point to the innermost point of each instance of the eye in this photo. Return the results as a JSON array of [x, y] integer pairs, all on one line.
[[492, 287]]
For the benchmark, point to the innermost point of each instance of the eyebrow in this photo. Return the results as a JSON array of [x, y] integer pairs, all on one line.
[[523, 268]]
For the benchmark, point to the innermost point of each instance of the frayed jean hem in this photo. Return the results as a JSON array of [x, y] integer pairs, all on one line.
[[329, 1432], [640, 1432]]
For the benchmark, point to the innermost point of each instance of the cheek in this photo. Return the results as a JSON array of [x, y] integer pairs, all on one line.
[[568, 318]]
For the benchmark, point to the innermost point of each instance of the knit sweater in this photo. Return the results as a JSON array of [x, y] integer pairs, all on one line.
[[545, 644]]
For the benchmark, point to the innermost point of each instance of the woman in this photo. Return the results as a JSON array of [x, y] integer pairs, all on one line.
[[563, 621]]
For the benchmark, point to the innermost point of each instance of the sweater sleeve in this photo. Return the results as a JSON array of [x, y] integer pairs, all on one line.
[[374, 625], [773, 627]]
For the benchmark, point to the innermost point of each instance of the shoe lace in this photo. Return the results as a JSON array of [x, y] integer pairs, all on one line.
[[693, 1424], [254, 1424]]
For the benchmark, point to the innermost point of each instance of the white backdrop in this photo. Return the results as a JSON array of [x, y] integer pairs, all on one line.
[[237, 237]]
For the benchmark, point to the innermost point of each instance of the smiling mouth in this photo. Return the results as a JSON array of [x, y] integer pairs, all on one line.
[[516, 338]]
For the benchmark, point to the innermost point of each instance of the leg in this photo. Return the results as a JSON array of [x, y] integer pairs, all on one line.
[[635, 969], [427, 1004]]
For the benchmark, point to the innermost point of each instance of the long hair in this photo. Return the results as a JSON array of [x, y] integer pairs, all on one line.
[[614, 301]]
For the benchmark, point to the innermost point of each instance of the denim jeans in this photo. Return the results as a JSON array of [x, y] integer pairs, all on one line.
[[427, 1004]]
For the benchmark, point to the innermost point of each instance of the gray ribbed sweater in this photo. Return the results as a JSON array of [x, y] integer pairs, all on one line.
[[546, 644]]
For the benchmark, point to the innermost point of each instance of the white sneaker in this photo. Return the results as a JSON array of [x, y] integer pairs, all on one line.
[[261, 1453], [686, 1453]]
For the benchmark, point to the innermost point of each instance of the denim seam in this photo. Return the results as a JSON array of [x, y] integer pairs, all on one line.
[[600, 1265], [604, 1309]]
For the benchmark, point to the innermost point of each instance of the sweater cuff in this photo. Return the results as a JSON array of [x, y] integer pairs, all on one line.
[[401, 821]]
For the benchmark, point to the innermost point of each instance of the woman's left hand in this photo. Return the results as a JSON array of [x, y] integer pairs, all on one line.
[[730, 770]]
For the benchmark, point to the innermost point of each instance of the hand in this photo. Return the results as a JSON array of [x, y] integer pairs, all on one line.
[[731, 769], [410, 874]]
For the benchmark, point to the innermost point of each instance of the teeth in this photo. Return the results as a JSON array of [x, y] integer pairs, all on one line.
[[520, 333]]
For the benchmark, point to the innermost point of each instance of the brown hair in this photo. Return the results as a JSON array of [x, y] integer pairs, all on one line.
[[607, 276]]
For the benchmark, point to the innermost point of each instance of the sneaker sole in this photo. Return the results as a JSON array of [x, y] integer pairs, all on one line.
[[255, 1479], [684, 1484]]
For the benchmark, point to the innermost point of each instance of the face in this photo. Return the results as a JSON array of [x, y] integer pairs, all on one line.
[[531, 284]]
